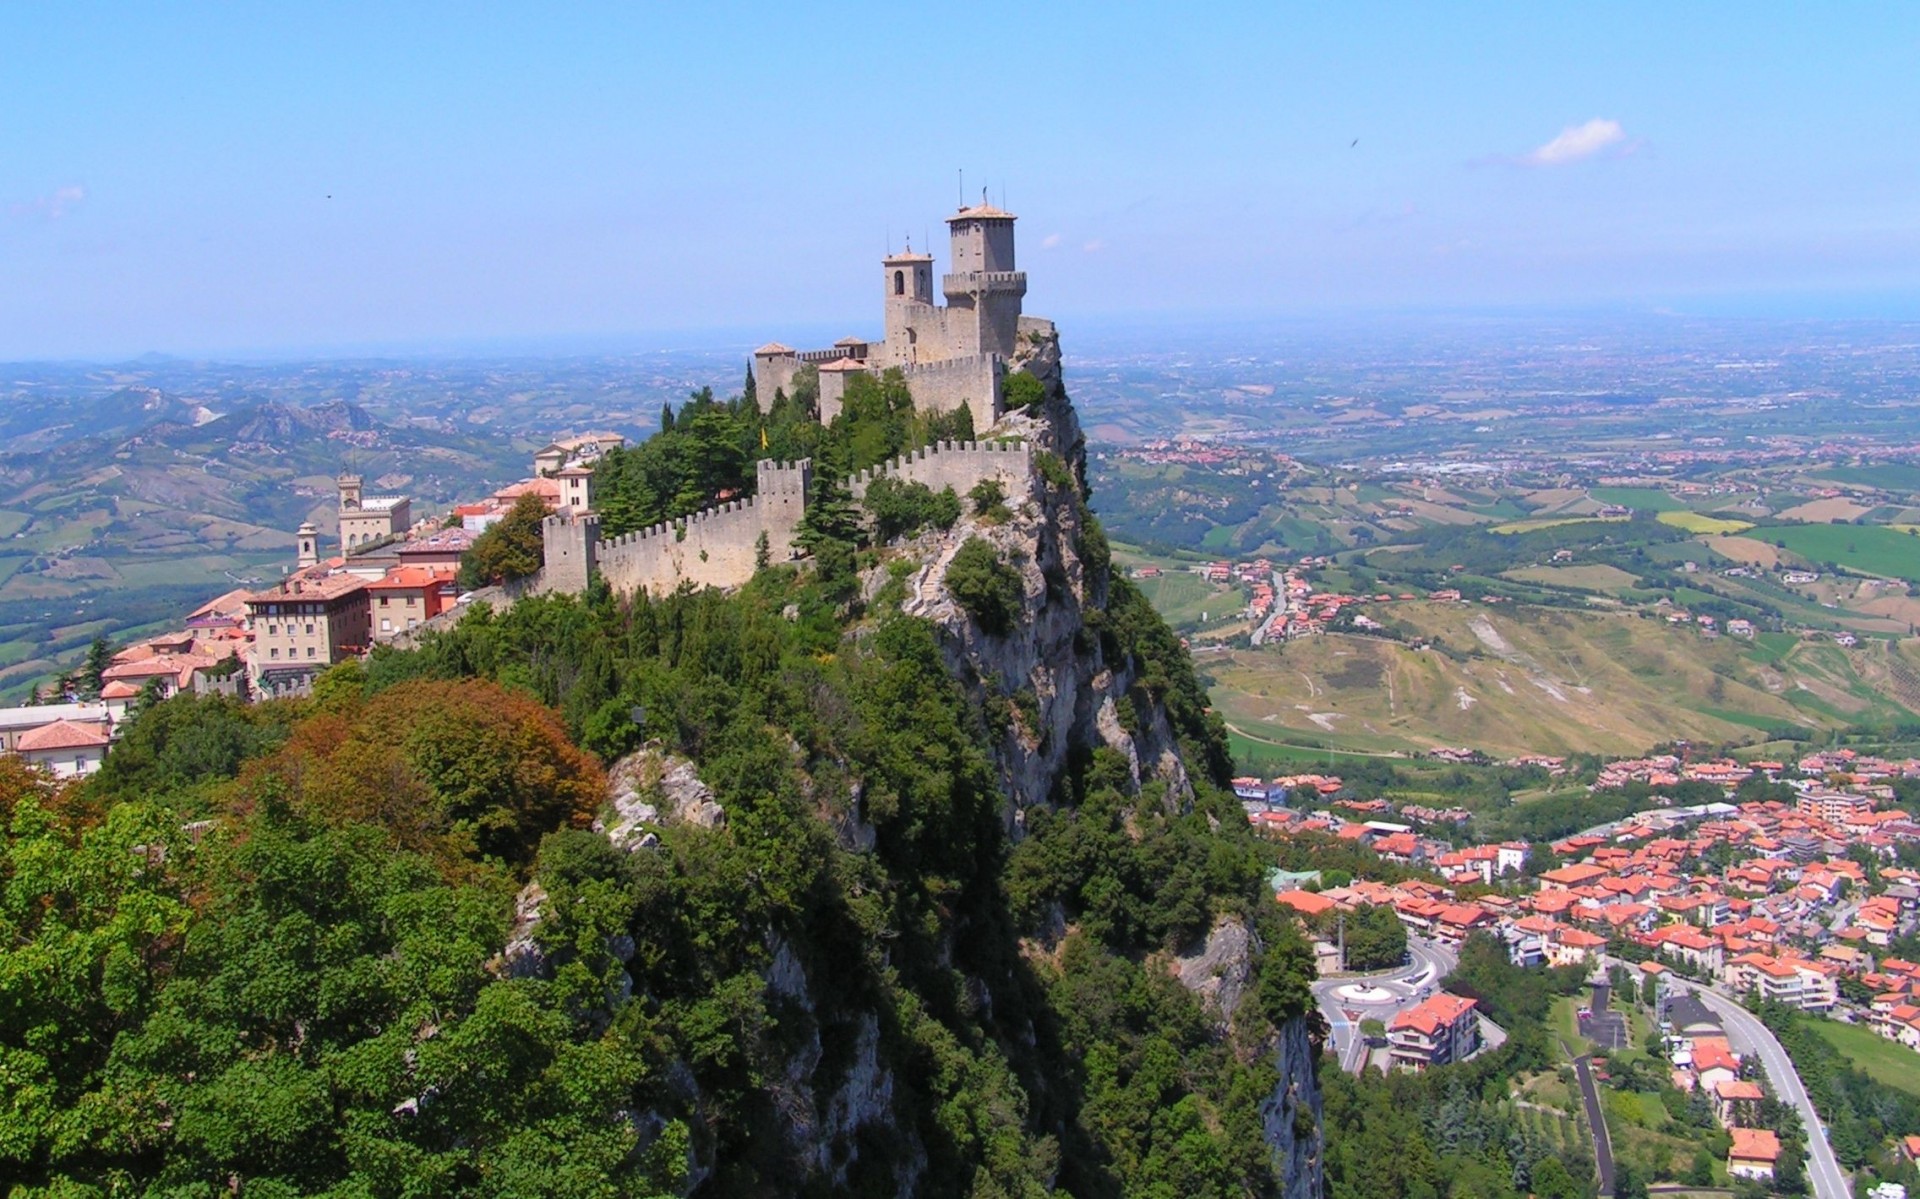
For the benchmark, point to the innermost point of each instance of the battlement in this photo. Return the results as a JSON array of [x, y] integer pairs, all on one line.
[[977, 282], [723, 545], [956, 464]]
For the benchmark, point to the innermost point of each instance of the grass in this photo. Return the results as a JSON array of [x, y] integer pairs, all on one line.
[[1590, 576], [1772, 648], [1886, 1062], [1533, 526], [1256, 756], [1870, 549], [1646, 499], [1695, 522], [1182, 598], [1888, 476], [12, 522]]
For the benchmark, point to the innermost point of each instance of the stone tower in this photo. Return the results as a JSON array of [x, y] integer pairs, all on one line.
[[908, 280], [308, 540], [983, 289], [349, 492]]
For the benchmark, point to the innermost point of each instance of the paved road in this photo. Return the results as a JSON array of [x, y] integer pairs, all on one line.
[[1597, 1123], [1428, 963], [1747, 1033]]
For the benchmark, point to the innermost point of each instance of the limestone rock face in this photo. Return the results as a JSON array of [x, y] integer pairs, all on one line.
[[650, 787], [1048, 663], [1292, 1113], [1222, 969]]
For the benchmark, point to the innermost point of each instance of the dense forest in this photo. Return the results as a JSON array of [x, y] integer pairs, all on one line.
[[370, 943]]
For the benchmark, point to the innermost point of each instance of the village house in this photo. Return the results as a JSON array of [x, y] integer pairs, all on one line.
[[1438, 1031], [1754, 1153], [404, 598]]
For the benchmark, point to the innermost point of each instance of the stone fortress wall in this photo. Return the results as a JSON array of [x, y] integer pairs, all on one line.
[[718, 547]]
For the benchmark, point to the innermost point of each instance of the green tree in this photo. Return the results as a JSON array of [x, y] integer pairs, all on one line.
[[990, 590], [511, 548], [99, 657]]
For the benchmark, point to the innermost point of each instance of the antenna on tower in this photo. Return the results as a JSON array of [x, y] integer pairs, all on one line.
[[963, 187]]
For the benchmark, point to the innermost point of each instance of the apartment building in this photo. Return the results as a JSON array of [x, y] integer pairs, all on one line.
[[1437, 1032], [407, 597], [305, 625], [1800, 984]]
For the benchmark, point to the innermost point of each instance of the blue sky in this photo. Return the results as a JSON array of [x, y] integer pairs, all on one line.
[[290, 179]]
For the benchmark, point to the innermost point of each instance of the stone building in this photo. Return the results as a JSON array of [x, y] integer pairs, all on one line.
[[305, 625], [954, 354], [365, 519]]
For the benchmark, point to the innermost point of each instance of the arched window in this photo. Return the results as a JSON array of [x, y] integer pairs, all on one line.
[[899, 283]]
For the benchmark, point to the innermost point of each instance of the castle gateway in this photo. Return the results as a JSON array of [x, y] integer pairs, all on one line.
[[954, 355]]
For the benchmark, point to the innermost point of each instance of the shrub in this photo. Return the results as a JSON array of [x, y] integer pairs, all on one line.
[[1023, 391], [986, 587]]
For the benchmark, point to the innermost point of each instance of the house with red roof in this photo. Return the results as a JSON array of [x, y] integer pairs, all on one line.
[[1436, 1032], [65, 748], [1754, 1153]]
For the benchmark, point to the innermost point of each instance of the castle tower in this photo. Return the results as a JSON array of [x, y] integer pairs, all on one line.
[[308, 539], [907, 279], [349, 492], [983, 289]]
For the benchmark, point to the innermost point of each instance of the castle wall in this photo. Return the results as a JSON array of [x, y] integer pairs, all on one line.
[[977, 382], [571, 543], [718, 546], [958, 465]]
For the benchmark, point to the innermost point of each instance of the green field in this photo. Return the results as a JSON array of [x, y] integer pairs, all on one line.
[[1870, 549], [1262, 757], [12, 522], [1182, 598], [1885, 1061], [1646, 499], [1534, 526], [1889, 476], [1694, 522]]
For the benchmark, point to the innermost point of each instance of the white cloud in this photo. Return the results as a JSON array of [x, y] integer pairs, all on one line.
[[52, 206], [1050, 241], [1094, 246], [1578, 142]]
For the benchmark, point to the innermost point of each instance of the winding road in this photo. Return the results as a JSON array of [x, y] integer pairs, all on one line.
[[1748, 1034]]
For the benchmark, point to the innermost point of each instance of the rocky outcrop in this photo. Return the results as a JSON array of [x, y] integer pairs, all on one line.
[[1048, 669], [1221, 970], [1291, 1114], [650, 787], [1221, 973]]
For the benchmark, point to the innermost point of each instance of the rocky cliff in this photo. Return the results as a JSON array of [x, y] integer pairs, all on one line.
[[851, 1063]]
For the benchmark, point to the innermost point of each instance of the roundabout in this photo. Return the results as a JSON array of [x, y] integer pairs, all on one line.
[[1364, 993]]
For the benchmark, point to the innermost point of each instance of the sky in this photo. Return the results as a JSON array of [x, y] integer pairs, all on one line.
[[265, 180]]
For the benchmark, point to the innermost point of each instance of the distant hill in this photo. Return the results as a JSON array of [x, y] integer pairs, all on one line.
[[1536, 680], [29, 425], [161, 496]]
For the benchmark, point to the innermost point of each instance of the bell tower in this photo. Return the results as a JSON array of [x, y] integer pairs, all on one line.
[[907, 278], [349, 492], [308, 539]]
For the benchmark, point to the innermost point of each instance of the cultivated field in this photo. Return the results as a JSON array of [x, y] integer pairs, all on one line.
[[1871, 549]]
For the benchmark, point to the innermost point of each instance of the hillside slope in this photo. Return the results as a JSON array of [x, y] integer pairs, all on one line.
[[1519, 679]]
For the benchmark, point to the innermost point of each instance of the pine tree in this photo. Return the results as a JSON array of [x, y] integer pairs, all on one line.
[[99, 657]]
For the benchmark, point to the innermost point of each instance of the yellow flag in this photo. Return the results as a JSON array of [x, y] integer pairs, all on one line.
[[763, 437]]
